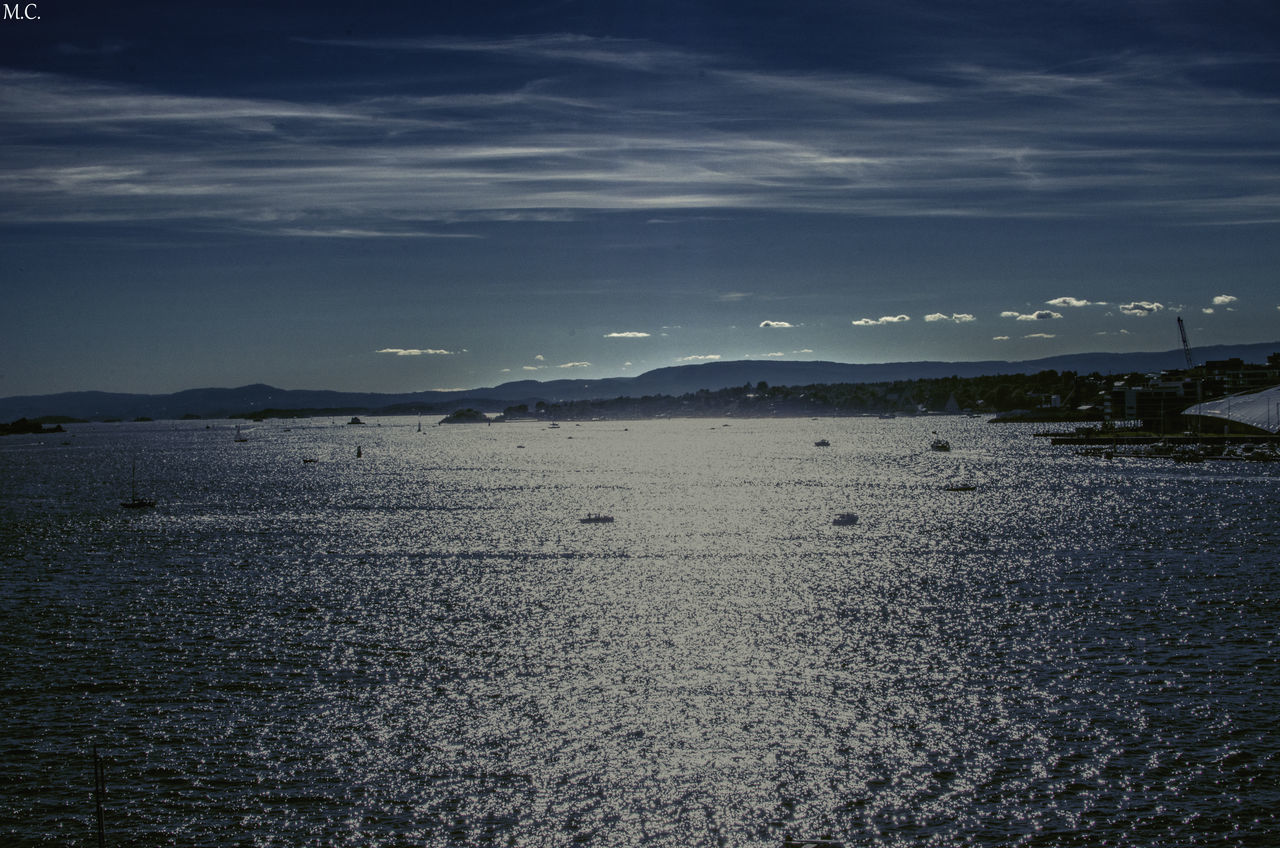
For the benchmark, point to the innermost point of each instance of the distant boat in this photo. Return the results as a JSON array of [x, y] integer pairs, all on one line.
[[553, 426], [845, 519], [307, 459], [596, 518], [240, 438], [822, 443], [355, 420], [959, 487], [134, 501], [940, 444]]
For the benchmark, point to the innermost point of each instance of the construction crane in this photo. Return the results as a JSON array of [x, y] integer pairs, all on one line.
[[1186, 348]]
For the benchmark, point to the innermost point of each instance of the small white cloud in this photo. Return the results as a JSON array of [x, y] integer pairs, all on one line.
[[628, 334], [531, 368], [1141, 308], [1207, 310], [733, 297], [779, 353], [1224, 299], [1040, 336], [1038, 315], [999, 338], [699, 358], [885, 319], [957, 317], [1069, 301], [400, 351], [807, 350], [539, 358], [575, 365], [505, 371], [775, 324]]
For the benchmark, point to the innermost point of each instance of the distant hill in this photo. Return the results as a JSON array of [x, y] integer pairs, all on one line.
[[676, 380]]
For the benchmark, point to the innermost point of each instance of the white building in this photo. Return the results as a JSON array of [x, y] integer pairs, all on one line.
[[1247, 412]]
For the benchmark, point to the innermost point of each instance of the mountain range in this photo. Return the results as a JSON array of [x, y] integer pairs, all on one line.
[[674, 380]]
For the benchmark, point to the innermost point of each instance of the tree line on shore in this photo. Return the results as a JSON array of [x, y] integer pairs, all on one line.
[[1047, 395]]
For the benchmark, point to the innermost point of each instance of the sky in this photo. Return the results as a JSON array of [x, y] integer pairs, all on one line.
[[397, 197]]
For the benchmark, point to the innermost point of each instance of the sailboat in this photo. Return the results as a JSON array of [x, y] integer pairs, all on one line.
[[240, 438], [134, 501]]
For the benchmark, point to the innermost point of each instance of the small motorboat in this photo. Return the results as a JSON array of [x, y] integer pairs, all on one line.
[[822, 443], [845, 519]]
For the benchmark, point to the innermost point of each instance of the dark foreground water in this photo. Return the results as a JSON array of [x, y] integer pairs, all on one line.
[[423, 646]]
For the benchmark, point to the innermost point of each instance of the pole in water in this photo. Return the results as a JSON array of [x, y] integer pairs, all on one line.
[[359, 453], [99, 790]]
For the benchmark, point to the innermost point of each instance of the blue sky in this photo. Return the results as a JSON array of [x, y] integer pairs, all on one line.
[[395, 196]]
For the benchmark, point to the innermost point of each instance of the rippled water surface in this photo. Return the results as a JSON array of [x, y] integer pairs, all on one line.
[[424, 646]]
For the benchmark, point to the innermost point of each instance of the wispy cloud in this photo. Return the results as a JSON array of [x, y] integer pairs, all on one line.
[[1040, 336], [559, 48], [575, 365], [366, 233], [887, 319], [1038, 315], [627, 334], [1141, 308], [704, 357], [400, 351], [843, 88], [775, 324], [550, 142]]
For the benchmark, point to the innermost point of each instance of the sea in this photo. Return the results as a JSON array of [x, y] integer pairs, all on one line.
[[331, 634]]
